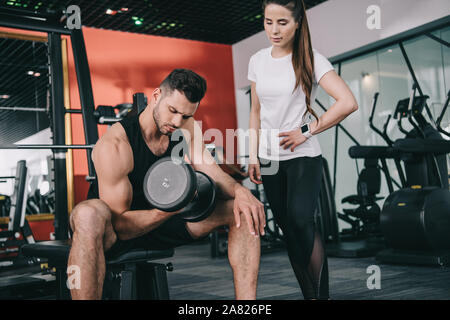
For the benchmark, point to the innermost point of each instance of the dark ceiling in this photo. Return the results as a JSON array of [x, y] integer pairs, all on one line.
[[217, 21]]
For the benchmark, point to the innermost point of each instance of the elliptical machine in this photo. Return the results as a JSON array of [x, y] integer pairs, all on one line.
[[415, 220], [441, 116], [365, 219], [363, 238]]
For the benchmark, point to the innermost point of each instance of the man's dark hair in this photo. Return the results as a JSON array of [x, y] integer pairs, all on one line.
[[186, 81]]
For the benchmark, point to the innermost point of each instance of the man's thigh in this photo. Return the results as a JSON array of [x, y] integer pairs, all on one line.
[[222, 215], [176, 232], [170, 234]]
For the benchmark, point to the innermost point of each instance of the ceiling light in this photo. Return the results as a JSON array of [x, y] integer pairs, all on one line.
[[30, 73], [137, 21]]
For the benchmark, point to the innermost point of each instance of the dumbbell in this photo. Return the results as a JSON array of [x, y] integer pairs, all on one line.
[[171, 186]]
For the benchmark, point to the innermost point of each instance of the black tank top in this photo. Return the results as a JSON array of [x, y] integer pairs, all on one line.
[[143, 158]]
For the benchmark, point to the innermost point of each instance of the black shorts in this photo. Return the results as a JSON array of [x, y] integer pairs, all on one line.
[[170, 234]]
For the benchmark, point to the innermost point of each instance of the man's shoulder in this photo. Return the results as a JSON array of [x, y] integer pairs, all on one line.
[[115, 137], [113, 148]]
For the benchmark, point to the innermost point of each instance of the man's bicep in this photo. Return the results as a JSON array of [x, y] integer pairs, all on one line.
[[112, 167], [117, 194]]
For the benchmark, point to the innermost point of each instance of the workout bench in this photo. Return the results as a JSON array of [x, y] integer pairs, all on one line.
[[129, 276]]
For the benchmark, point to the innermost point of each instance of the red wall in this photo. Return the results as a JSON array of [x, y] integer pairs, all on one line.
[[124, 63]]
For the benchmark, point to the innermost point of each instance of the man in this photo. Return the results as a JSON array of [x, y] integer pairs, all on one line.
[[116, 217]]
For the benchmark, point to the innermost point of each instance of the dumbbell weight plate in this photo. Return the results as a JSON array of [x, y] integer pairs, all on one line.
[[169, 186], [204, 200]]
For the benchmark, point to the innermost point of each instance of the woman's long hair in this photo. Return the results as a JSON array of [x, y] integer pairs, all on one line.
[[302, 55]]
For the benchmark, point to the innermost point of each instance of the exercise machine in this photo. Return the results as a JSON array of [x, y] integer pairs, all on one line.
[[5, 205], [18, 231], [365, 219], [363, 238], [415, 220], [111, 114], [441, 116]]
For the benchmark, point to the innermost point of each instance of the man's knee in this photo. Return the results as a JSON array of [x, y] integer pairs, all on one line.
[[91, 215], [228, 211], [222, 215], [229, 216]]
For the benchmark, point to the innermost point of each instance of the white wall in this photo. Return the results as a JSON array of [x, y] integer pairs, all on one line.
[[338, 26], [242, 51], [36, 159]]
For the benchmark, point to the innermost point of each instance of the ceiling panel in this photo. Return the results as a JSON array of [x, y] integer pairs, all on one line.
[[216, 21]]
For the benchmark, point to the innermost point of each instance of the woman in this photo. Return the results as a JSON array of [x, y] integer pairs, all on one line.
[[284, 80]]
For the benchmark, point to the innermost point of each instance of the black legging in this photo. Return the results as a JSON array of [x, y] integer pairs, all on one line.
[[293, 196]]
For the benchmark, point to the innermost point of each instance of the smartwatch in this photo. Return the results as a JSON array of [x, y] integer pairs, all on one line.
[[306, 131]]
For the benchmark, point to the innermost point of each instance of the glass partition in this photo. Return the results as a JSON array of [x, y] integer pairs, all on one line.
[[386, 71]]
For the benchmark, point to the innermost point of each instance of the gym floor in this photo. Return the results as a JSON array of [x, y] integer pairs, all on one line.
[[197, 276]]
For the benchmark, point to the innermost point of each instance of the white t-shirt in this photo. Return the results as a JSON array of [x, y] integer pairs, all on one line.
[[282, 109]]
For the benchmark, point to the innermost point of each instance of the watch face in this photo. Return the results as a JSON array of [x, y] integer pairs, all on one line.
[[304, 128]]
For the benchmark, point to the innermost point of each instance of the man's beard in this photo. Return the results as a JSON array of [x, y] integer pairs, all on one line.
[[157, 120]]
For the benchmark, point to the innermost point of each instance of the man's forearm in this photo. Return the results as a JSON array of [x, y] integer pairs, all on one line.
[[227, 187], [132, 224]]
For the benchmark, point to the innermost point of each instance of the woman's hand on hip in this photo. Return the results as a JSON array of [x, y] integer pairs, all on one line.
[[292, 139]]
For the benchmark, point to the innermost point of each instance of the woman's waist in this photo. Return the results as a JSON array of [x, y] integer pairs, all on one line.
[[287, 123]]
